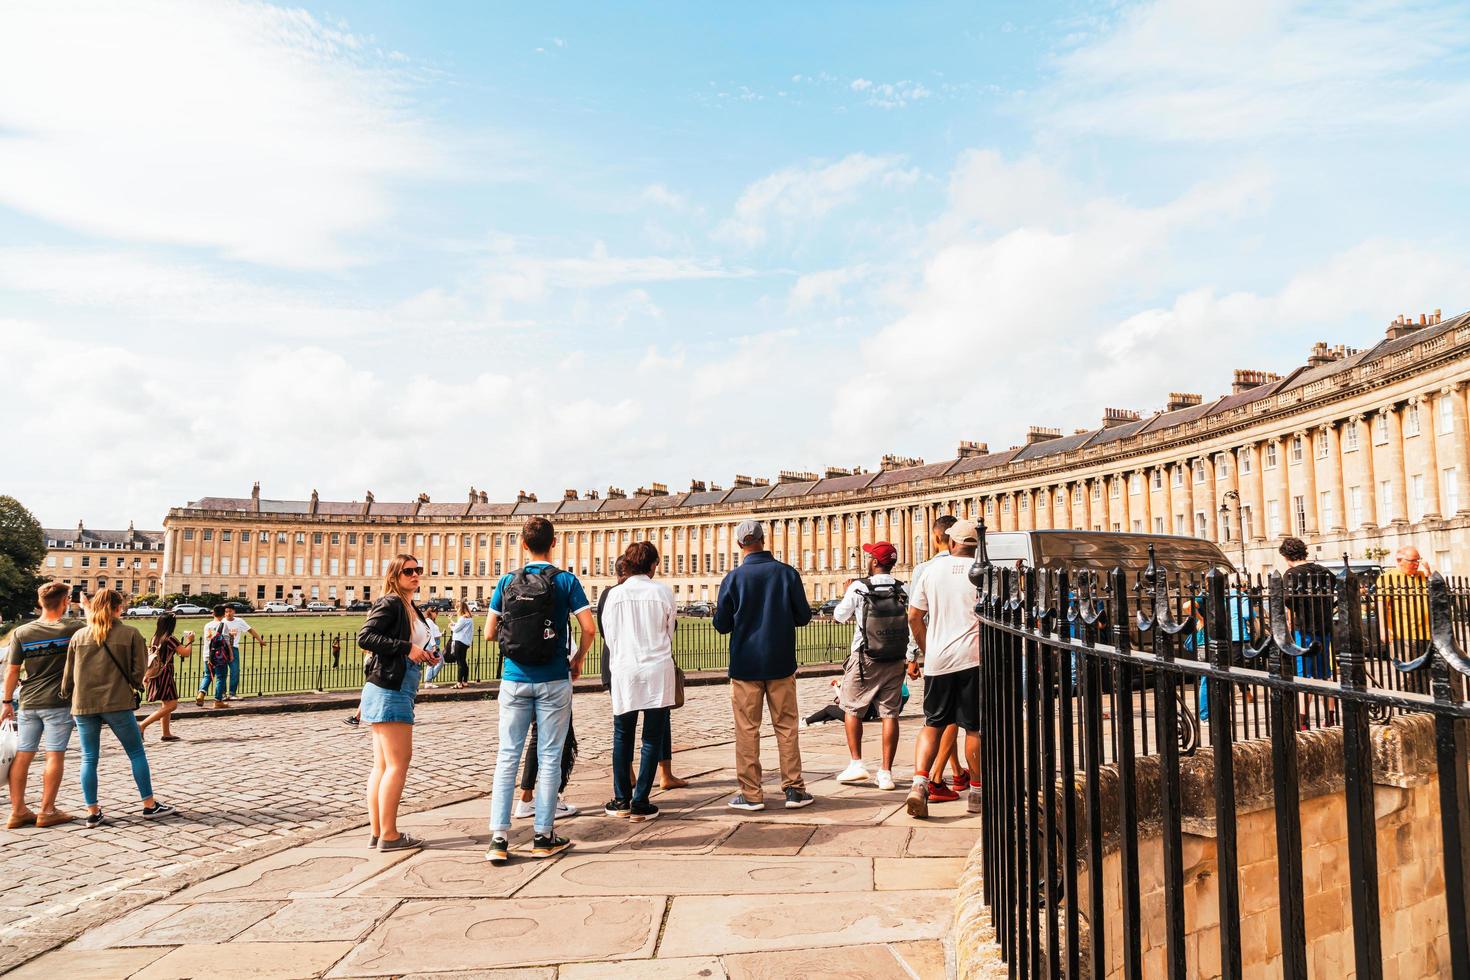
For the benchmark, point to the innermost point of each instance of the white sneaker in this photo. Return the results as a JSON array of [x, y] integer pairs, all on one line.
[[523, 809], [855, 772], [885, 779], [565, 809]]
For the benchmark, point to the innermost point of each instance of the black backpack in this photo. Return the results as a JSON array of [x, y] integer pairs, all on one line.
[[527, 632], [884, 626]]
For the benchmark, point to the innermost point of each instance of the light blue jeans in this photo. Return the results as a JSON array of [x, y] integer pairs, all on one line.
[[124, 725], [548, 704], [234, 675]]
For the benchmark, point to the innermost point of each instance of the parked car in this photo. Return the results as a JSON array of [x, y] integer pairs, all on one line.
[[280, 606], [316, 605], [359, 605], [438, 602], [826, 608], [188, 609], [240, 606], [698, 609], [474, 605], [145, 611]]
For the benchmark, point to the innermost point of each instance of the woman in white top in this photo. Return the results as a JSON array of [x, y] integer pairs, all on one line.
[[638, 625], [461, 635]]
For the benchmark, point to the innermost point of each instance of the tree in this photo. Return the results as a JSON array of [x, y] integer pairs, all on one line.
[[22, 549]]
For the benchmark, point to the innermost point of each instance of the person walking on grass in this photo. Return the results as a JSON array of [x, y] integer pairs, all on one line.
[[105, 662], [639, 621], [530, 614], [461, 637], [872, 677], [44, 715], [396, 636], [761, 603], [949, 643], [159, 682]]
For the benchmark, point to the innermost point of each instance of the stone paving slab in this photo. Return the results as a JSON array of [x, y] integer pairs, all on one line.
[[718, 924], [684, 968], [523, 973], [297, 873], [447, 874], [714, 875], [319, 919], [837, 839], [873, 962], [246, 961], [927, 841], [492, 933], [891, 874], [87, 964], [766, 838]]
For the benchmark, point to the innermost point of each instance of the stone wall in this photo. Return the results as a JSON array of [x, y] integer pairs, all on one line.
[[1415, 928]]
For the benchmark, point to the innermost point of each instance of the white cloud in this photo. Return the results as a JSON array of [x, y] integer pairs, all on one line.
[[825, 288], [1196, 70], [661, 196], [798, 196], [243, 127], [861, 85]]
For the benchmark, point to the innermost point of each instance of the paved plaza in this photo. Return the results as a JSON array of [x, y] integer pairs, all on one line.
[[266, 872]]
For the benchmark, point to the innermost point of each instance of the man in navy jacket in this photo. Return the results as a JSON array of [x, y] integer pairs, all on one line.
[[761, 604]]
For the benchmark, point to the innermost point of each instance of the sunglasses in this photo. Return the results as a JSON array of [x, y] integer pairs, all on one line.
[[411, 571]]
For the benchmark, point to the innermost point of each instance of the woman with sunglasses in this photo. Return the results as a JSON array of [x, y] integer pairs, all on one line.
[[395, 636]]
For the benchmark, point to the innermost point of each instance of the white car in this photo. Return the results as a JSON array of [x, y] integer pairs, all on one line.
[[318, 606], [145, 611], [279, 606], [188, 609]]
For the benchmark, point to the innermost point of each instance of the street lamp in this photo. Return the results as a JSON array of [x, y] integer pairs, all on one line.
[[1239, 521]]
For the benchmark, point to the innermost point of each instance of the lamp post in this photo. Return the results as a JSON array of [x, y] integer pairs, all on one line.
[[1239, 522]]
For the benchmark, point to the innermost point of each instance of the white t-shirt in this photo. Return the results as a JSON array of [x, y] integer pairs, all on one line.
[[237, 628], [944, 591], [851, 607]]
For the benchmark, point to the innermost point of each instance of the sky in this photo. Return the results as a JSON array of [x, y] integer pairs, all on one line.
[[405, 248]]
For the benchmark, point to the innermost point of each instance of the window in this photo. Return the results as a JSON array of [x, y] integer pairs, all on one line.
[[50, 561], [666, 564], [336, 537], [1077, 494], [334, 566], [1444, 415], [224, 565], [1247, 522], [1273, 518], [1199, 471], [1416, 497], [208, 534], [1271, 455], [418, 540], [1222, 466], [1201, 524], [464, 568], [989, 506], [1411, 419], [1322, 447], [352, 568], [498, 567], [260, 593], [1350, 438], [301, 537], [482, 539], [188, 534], [433, 566], [316, 566], [1451, 498], [679, 564], [433, 540], [299, 566], [1247, 458], [1299, 514], [1135, 484], [260, 564], [367, 566], [1096, 489], [188, 564], [316, 537], [351, 537], [226, 536], [1005, 505], [1296, 449], [1178, 523], [1178, 475], [1138, 526], [1355, 507], [1025, 501], [1115, 488], [102, 562], [1159, 525], [264, 537], [480, 567], [1385, 491], [1324, 506], [1157, 480]]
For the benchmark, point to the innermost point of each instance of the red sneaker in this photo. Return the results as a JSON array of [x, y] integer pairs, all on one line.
[[962, 781], [941, 793]]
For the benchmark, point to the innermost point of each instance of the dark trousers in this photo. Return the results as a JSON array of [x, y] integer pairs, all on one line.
[[459, 653], [568, 757], [655, 738]]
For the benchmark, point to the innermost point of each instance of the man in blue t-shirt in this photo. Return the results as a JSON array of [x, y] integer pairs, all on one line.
[[539, 693]]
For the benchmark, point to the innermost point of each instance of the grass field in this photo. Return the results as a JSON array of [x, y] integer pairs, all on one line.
[[319, 652]]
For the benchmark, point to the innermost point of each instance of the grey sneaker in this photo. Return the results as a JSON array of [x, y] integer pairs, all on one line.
[[499, 850], [403, 842], [798, 798], [741, 803], [918, 801]]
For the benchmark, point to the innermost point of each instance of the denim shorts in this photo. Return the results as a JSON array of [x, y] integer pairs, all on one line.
[[44, 729], [382, 704]]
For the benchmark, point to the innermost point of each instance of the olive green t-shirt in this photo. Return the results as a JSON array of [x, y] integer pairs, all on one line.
[[41, 650]]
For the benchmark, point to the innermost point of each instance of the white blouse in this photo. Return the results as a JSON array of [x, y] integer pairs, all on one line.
[[638, 626]]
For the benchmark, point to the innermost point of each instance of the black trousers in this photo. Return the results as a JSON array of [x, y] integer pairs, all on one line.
[[459, 653], [568, 757]]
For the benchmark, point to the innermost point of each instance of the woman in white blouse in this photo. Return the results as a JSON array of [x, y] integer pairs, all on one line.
[[638, 625]]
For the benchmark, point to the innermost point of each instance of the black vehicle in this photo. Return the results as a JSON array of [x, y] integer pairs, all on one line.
[[826, 609], [240, 606], [439, 603], [698, 609], [360, 605]]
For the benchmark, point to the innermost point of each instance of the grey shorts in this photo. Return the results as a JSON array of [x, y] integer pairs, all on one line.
[[44, 729], [878, 683]]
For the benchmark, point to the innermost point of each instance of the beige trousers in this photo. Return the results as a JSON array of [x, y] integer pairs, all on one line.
[[746, 698]]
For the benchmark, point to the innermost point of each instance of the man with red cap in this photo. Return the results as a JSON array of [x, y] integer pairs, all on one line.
[[874, 672]]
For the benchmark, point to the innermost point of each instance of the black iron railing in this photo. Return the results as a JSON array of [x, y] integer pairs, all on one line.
[[331, 661], [1082, 671]]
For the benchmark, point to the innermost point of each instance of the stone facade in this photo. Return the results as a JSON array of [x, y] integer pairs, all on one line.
[[129, 561], [1354, 451]]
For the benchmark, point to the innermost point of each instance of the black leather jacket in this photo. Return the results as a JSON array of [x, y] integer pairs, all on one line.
[[387, 637]]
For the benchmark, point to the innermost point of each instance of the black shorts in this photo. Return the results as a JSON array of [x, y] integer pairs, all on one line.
[[953, 699]]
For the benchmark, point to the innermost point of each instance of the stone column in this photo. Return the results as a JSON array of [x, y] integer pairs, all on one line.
[[1309, 481], [1208, 497], [1189, 497], [1368, 481], [1257, 485], [1398, 502], [1146, 505], [1459, 444], [1334, 477], [1427, 426]]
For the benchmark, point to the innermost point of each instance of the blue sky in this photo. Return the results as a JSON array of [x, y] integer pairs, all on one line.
[[404, 248]]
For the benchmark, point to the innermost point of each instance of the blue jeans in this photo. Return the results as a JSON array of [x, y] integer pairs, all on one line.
[[218, 677], [655, 738], [125, 727], [549, 704]]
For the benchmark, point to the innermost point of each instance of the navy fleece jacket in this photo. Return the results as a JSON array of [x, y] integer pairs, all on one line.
[[761, 604]]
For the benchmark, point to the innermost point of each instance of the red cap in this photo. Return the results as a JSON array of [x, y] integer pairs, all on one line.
[[883, 552]]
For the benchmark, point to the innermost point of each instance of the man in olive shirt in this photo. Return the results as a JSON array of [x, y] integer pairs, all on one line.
[[45, 716]]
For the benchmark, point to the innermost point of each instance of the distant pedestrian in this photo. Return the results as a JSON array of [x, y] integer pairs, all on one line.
[[238, 630], [461, 638], [44, 715], [105, 662], [1403, 606], [159, 682], [761, 603], [396, 636], [219, 653], [530, 616], [436, 635], [939, 790], [1310, 601], [873, 675], [639, 621], [949, 642]]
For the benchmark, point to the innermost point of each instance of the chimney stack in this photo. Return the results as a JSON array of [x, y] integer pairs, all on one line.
[[1119, 416], [1040, 433], [314, 501], [969, 448], [696, 486], [569, 495], [741, 480], [891, 461], [832, 472], [1180, 399], [484, 497], [613, 493], [255, 497]]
